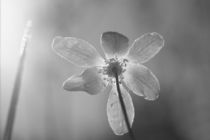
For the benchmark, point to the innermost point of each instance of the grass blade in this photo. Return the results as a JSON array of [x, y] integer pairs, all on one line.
[[17, 85]]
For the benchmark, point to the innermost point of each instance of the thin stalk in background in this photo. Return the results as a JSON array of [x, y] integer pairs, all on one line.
[[16, 89], [124, 109]]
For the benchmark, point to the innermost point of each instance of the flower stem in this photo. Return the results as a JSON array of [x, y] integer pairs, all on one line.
[[17, 85], [124, 109]]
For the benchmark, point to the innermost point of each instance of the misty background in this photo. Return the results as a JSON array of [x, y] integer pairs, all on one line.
[[47, 112]]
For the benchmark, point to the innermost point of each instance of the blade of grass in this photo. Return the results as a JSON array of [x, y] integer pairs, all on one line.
[[122, 104], [17, 85]]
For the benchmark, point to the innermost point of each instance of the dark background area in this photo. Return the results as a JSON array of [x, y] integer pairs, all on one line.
[[47, 112]]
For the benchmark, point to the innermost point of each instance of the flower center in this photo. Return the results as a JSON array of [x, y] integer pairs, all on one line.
[[114, 66]]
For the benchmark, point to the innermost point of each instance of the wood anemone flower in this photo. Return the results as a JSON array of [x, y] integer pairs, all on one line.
[[119, 59]]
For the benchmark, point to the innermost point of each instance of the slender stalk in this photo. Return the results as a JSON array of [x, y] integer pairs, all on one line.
[[17, 85], [123, 108]]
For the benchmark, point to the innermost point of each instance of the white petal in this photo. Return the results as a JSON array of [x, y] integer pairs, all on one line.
[[141, 81], [89, 81], [115, 114], [127, 86], [77, 51], [114, 43], [146, 47]]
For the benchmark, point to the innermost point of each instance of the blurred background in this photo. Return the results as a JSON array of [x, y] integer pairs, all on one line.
[[47, 112]]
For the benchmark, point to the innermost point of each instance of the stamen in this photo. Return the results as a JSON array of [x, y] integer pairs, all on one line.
[[114, 65]]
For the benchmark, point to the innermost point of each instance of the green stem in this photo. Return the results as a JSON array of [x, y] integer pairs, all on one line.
[[124, 109]]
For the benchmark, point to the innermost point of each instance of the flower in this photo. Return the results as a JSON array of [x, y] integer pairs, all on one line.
[[99, 75]]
